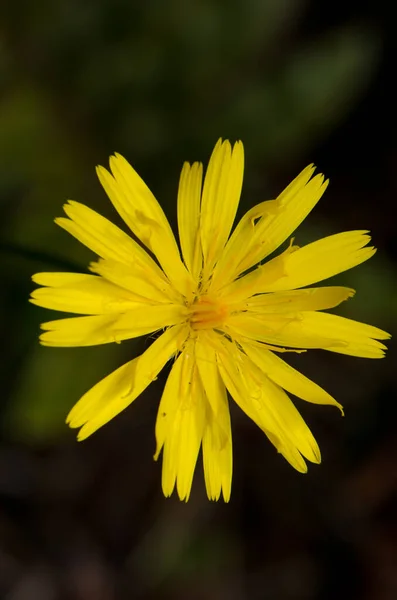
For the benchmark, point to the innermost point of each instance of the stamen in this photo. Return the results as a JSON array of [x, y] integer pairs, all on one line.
[[207, 313]]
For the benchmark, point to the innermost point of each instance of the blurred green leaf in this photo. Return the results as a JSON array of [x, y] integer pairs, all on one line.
[[282, 115], [50, 383]]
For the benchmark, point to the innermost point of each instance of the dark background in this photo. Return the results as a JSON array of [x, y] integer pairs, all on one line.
[[160, 81]]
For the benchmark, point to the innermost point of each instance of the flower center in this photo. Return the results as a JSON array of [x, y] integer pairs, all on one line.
[[207, 313]]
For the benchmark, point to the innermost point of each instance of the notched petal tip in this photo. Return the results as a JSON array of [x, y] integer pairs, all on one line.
[[325, 184], [116, 162], [60, 220], [379, 353], [238, 146], [307, 173], [71, 206], [81, 436], [316, 458], [94, 265], [102, 172]]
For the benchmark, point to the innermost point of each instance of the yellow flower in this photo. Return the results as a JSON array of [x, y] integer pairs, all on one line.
[[224, 313]]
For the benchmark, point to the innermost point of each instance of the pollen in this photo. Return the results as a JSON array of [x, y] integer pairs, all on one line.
[[207, 312]]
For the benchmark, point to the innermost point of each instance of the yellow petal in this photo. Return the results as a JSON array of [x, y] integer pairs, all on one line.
[[320, 298], [311, 330], [153, 317], [104, 329], [59, 279], [286, 376], [290, 453], [116, 391], [359, 339], [266, 226], [104, 238], [143, 214], [80, 331], [209, 373], [217, 450], [221, 195], [265, 402], [135, 279], [285, 330], [189, 196], [82, 294], [317, 261], [247, 286], [217, 440], [180, 424]]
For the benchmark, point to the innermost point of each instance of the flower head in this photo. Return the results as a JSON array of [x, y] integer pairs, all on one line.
[[225, 315]]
